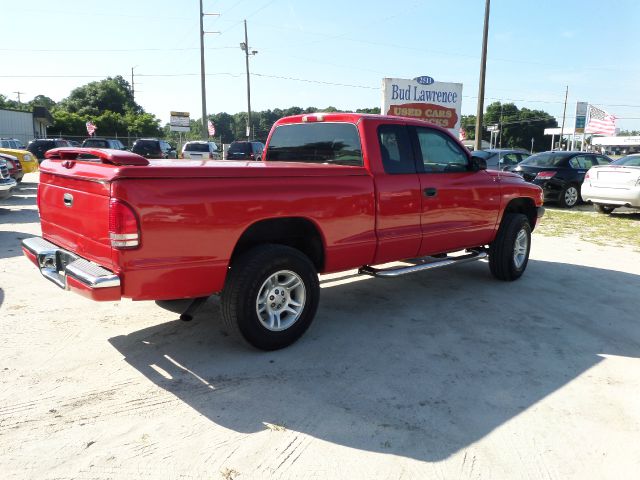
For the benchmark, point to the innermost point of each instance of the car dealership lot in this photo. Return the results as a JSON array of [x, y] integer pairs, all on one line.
[[447, 374]]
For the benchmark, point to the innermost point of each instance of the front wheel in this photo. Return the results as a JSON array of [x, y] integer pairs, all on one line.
[[509, 252], [271, 296], [603, 208], [569, 197]]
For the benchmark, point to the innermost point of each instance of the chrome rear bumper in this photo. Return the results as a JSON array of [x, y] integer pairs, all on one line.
[[56, 264]]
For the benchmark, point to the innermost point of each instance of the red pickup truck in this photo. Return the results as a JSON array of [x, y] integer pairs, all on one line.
[[333, 192]]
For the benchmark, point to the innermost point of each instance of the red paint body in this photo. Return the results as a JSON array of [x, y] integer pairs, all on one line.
[[191, 213]]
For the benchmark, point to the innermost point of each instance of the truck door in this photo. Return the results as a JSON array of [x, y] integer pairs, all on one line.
[[459, 206], [398, 196]]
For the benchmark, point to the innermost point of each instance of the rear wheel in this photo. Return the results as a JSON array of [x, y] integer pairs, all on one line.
[[569, 196], [509, 252], [271, 296], [603, 208]]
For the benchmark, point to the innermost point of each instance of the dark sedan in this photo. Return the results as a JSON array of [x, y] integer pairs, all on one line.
[[559, 173]]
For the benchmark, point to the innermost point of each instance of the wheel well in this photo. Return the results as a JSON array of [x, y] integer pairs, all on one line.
[[524, 206], [298, 233]]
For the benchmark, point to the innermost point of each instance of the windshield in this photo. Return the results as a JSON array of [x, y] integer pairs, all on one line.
[[95, 144], [545, 159], [628, 161], [337, 143], [240, 147], [196, 147]]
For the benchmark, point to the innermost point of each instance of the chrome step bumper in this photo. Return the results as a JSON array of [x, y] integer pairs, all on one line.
[[425, 263], [56, 264]]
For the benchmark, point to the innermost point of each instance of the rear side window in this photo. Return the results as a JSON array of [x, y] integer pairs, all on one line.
[[335, 143], [582, 162], [395, 149]]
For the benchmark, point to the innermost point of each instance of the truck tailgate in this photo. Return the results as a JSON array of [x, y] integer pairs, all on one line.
[[74, 214]]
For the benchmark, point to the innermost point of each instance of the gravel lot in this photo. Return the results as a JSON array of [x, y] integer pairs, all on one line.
[[443, 374]]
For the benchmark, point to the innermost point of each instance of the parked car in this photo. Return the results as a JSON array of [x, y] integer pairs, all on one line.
[[11, 143], [245, 151], [40, 146], [501, 158], [93, 142], [615, 185], [27, 160], [153, 148], [15, 169], [200, 149], [7, 184], [559, 173], [74, 143]]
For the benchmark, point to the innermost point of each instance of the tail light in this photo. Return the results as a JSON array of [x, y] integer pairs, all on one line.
[[124, 231], [587, 176], [545, 175]]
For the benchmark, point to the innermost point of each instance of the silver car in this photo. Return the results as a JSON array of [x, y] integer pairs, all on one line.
[[201, 150], [614, 185]]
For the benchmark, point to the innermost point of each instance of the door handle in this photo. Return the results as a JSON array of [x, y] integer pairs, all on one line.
[[430, 192]]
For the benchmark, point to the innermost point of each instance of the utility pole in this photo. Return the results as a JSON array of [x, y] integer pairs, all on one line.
[[205, 129], [245, 46], [564, 113], [19, 93], [483, 66], [133, 85]]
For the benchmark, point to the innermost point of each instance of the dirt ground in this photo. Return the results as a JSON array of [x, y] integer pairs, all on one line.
[[443, 374]]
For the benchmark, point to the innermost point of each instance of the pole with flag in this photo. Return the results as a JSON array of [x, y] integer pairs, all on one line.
[[91, 128], [211, 127], [599, 121]]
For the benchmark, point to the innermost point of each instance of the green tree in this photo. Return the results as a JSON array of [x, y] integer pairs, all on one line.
[[67, 123], [112, 94], [42, 101], [143, 125], [518, 126]]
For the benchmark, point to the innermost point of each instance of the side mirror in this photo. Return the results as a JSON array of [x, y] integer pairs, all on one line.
[[478, 163]]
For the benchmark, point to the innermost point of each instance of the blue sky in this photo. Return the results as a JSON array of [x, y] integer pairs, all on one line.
[[327, 53]]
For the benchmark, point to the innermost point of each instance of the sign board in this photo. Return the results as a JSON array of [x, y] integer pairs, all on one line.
[[425, 99], [493, 128], [179, 122], [581, 116]]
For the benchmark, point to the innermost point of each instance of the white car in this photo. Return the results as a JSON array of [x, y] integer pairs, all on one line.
[[614, 185], [201, 150]]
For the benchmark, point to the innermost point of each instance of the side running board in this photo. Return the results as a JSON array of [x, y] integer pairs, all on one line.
[[425, 263]]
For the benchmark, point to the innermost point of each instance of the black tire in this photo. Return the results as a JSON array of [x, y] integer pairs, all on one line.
[[247, 278], [569, 196], [603, 208], [502, 258]]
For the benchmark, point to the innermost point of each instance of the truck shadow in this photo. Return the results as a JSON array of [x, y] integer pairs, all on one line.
[[421, 366], [10, 245]]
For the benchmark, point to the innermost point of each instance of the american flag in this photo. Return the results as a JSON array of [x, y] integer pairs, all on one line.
[[91, 128], [212, 128], [462, 135], [599, 121]]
